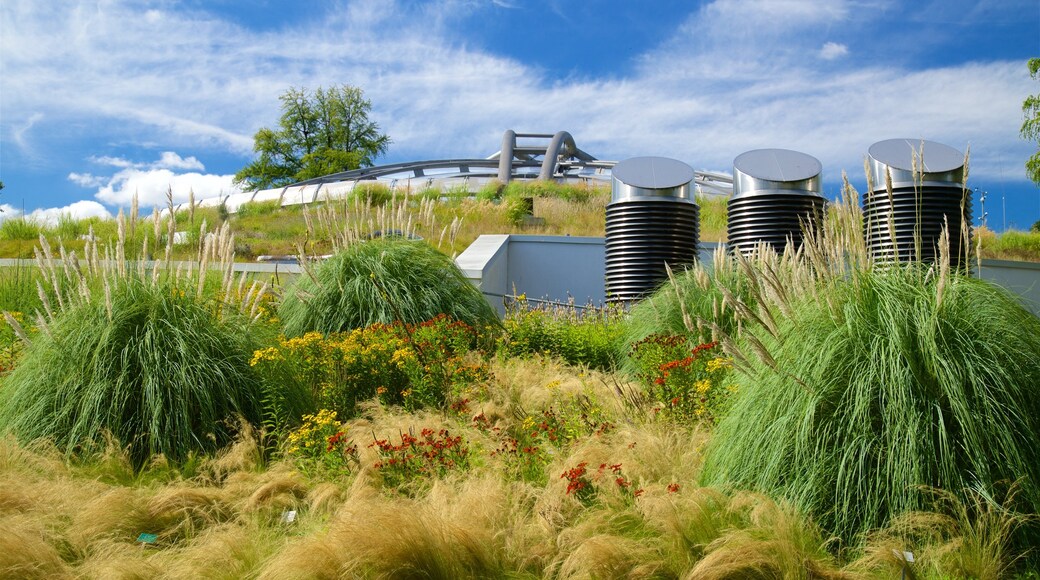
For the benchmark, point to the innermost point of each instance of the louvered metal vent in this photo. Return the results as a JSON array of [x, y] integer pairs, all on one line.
[[652, 220], [776, 193], [906, 223]]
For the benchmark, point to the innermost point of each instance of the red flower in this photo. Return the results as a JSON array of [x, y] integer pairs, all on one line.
[[673, 488]]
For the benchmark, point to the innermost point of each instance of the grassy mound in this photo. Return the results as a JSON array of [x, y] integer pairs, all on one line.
[[382, 281], [896, 380], [159, 371]]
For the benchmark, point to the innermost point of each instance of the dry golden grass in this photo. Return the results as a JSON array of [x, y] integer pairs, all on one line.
[[225, 519]]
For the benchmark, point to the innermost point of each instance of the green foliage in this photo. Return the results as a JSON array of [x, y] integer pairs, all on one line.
[[1035, 228], [414, 366], [18, 290], [492, 191], [20, 228], [1031, 125], [161, 373], [687, 306], [689, 385], [541, 188], [382, 281], [258, 208], [898, 380], [319, 133], [590, 337], [516, 209], [69, 228], [376, 194]]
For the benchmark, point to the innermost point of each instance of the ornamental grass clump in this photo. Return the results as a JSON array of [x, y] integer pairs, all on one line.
[[382, 281], [157, 359], [863, 384], [154, 367]]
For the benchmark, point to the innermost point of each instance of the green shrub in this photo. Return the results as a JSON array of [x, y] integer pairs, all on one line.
[[159, 371], [686, 306], [491, 191], [382, 281], [516, 209], [880, 385], [20, 228], [591, 337]]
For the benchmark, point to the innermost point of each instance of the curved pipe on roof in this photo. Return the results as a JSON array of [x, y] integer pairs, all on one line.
[[505, 158], [560, 140]]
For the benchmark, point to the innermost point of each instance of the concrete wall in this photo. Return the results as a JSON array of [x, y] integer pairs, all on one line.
[[558, 268]]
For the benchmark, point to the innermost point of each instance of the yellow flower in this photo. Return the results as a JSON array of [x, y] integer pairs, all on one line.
[[552, 385], [718, 363], [381, 390], [528, 422], [702, 386], [265, 354]]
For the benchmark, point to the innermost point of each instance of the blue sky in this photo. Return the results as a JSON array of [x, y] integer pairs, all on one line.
[[99, 99]]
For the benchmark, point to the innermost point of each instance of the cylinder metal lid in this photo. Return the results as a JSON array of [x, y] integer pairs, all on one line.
[[643, 177], [936, 162], [775, 171]]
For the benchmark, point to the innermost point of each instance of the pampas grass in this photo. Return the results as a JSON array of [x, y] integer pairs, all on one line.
[[151, 366], [862, 383], [382, 281]]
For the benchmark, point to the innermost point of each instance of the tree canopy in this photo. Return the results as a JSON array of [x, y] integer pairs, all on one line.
[[1031, 125], [319, 133]]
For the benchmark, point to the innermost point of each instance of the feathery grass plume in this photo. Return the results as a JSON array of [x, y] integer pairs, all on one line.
[[964, 535], [771, 540], [827, 422], [382, 281], [135, 212], [25, 551], [155, 368]]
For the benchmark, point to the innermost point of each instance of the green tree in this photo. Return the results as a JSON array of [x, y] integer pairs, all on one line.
[[319, 133], [1031, 126]]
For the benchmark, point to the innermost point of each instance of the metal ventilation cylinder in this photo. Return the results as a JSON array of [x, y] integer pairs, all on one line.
[[652, 220], [776, 196], [927, 195]]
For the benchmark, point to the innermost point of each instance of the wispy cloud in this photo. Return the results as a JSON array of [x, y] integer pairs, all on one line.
[[833, 50], [736, 75]]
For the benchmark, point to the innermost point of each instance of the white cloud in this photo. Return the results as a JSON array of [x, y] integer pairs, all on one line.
[[78, 211], [737, 75], [151, 180], [833, 50], [151, 186], [167, 160], [8, 211], [171, 160], [86, 179]]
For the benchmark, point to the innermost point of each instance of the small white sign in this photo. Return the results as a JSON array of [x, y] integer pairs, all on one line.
[[289, 517], [904, 556]]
